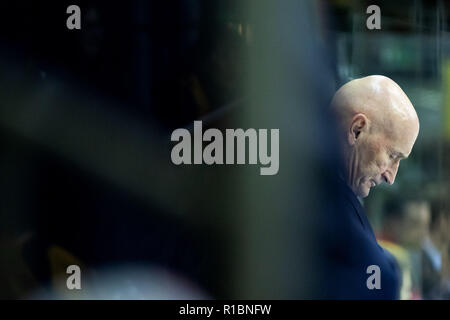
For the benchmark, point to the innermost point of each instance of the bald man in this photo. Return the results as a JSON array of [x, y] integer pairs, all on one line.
[[377, 128]]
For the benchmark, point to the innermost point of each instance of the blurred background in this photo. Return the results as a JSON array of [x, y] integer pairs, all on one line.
[[86, 118]]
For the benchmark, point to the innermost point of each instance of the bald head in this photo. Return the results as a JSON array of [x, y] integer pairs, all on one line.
[[379, 98], [378, 127]]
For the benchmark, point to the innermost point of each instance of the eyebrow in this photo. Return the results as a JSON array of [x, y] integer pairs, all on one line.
[[400, 154]]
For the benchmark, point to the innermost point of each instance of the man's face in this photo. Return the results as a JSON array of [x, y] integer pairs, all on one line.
[[415, 224], [377, 157]]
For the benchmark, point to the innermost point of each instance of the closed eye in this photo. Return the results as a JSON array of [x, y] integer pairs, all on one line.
[[397, 156]]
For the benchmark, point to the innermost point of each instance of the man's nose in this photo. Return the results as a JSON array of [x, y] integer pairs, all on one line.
[[390, 174]]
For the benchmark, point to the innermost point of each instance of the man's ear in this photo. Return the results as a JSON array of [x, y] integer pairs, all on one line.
[[358, 126]]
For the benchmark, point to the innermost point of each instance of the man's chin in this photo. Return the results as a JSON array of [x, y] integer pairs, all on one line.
[[362, 192]]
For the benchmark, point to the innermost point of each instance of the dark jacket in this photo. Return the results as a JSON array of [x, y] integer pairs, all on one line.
[[347, 247]]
